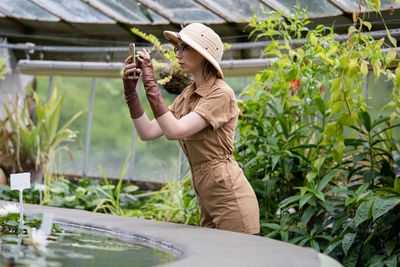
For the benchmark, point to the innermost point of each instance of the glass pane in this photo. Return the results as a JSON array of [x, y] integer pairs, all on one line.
[[189, 11], [240, 9], [26, 9], [353, 4], [314, 7], [111, 134], [177, 4], [156, 160], [196, 15], [74, 11], [388, 3], [157, 18], [132, 11]]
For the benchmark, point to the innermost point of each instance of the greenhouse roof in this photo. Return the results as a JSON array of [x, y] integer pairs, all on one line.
[[107, 23]]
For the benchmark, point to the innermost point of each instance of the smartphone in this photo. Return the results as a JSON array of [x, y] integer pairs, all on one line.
[[132, 52]]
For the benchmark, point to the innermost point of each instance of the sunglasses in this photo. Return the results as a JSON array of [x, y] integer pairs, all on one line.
[[181, 48]]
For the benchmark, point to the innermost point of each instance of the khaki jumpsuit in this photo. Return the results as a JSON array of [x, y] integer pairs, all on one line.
[[225, 197]]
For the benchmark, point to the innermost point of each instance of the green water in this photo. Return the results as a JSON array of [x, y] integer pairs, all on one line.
[[80, 249]]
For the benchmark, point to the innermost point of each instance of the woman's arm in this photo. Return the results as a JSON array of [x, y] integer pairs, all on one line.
[[146, 129], [175, 129]]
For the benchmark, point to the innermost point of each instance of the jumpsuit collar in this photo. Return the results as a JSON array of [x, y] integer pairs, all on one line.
[[204, 87]]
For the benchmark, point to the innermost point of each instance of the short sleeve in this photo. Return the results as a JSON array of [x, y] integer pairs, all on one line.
[[217, 108], [174, 106]]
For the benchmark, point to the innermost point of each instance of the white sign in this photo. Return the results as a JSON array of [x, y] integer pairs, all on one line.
[[20, 181], [47, 223]]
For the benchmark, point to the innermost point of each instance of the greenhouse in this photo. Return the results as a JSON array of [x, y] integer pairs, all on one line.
[[310, 129]]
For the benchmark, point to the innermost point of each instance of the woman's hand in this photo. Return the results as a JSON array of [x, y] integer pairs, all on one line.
[[130, 70], [130, 79], [143, 55]]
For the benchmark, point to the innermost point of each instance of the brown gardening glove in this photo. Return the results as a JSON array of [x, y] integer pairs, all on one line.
[[131, 95], [153, 92]]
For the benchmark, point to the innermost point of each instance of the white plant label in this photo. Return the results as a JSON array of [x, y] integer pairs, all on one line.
[[47, 223], [20, 181]]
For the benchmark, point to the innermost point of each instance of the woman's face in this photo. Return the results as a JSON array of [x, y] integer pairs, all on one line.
[[189, 59]]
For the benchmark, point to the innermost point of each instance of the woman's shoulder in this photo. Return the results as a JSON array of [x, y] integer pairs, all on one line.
[[221, 87]]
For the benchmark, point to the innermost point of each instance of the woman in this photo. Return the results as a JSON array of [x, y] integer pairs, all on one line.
[[203, 118]]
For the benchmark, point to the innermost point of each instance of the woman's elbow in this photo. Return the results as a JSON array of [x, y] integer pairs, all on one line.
[[145, 137], [172, 137], [175, 134]]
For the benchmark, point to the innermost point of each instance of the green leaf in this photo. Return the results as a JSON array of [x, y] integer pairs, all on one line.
[[275, 159], [320, 195], [289, 200], [392, 40], [368, 24], [352, 257], [313, 39], [392, 261], [397, 185], [391, 55], [314, 244], [307, 214], [383, 204], [327, 178], [363, 211], [332, 246], [317, 164], [304, 199], [310, 176], [130, 188], [348, 241], [365, 120]]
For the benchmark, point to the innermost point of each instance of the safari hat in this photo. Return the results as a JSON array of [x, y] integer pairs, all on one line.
[[202, 39]]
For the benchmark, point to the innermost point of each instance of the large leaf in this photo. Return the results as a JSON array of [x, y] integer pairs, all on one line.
[[307, 214], [348, 241], [383, 204], [363, 211]]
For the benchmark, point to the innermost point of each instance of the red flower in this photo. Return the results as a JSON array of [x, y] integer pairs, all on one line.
[[294, 86], [322, 89]]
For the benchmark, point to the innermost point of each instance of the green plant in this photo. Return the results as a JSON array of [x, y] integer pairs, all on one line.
[[175, 202], [310, 147], [36, 143], [110, 199]]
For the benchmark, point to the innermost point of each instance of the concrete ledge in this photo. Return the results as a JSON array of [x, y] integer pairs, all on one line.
[[196, 246]]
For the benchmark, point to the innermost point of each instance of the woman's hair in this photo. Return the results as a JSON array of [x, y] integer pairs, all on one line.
[[208, 70]]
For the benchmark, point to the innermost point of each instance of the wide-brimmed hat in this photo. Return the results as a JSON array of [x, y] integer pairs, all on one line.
[[202, 39]]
